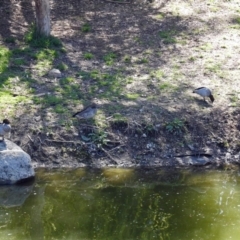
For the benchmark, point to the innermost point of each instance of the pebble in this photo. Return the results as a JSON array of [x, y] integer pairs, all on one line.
[[55, 73], [228, 155]]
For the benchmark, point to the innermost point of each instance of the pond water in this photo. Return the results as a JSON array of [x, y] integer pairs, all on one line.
[[123, 204]]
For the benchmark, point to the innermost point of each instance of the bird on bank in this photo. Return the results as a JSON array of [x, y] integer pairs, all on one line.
[[204, 92], [87, 112], [5, 128]]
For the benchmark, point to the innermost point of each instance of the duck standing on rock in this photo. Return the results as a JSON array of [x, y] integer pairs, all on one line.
[[204, 92], [5, 128], [87, 112]]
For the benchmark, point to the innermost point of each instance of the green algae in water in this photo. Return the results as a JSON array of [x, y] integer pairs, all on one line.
[[125, 204]]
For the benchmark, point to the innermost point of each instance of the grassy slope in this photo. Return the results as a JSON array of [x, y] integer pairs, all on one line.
[[140, 70]]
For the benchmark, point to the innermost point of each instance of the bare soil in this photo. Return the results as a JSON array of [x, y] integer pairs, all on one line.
[[166, 49]]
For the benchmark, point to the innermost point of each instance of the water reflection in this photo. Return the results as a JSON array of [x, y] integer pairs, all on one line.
[[126, 204]]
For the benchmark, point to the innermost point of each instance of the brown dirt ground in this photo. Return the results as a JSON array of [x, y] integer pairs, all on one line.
[[202, 50]]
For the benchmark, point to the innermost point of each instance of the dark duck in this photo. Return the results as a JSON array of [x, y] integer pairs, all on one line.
[[5, 128], [87, 112]]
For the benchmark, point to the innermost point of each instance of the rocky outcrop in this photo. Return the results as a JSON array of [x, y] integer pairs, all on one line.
[[15, 164]]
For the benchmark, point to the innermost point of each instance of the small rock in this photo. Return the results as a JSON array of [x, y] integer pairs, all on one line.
[[191, 147], [236, 156], [228, 155], [54, 73], [37, 118], [150, 145], [144, 135]]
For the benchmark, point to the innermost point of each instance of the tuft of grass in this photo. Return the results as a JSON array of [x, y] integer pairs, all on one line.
[[22, 52], [119, 117], [62, 66], [132, 96], [175, 127], [49, 100], [109, 58], [106, 85], [234, 100], [159, 16], [67, 80], [159, 74], [99, 137], [5, 55], [143, 61], [88, 56], [206, 47], [214, 68], [127, 59], [10, 40], [165, 86], [168, 36], [18, 61], [86, 28], [46, 54], [35, 40], [59, 108], [13, 101]]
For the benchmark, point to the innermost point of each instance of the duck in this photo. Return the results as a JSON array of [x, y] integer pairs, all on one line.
[[88, 112], [5, 128], [204, 92]]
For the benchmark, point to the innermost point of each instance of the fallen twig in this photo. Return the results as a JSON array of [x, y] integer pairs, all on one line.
[[30, 138], [107, 153], [58, 141], [117, 2], [116, 147]]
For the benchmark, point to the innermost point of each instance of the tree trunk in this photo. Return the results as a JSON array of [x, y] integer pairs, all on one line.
[[43, 17]]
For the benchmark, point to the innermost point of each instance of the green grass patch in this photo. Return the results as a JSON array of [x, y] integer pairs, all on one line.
[[132, 96], [166, 86], [18, 61], [86, 27], [67, 80], [10, 40], [60, 108], [49, 100], [23, 52], [88, 56], [234, 100], [46, 54], [159, 74], [159, 16], [142, 61], [206, 47], [106, 85], [12, 101], [168, 36], [109, 58], [214, 68], [176, 126], [35, 40], [62, 66], [5, 55], [127, 59]]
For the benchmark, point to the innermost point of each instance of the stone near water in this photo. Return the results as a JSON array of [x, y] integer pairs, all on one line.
[[15, 164]]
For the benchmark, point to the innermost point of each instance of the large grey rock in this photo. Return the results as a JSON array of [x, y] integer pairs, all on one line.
[[15, 164]]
